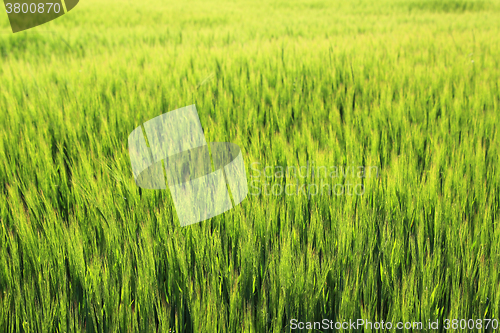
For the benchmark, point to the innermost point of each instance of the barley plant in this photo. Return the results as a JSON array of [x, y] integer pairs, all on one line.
[[410, 88]]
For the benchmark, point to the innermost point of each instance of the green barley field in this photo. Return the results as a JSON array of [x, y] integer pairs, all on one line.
[[410, 89]]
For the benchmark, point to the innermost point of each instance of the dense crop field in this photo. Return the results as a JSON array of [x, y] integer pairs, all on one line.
[[410, 89]]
